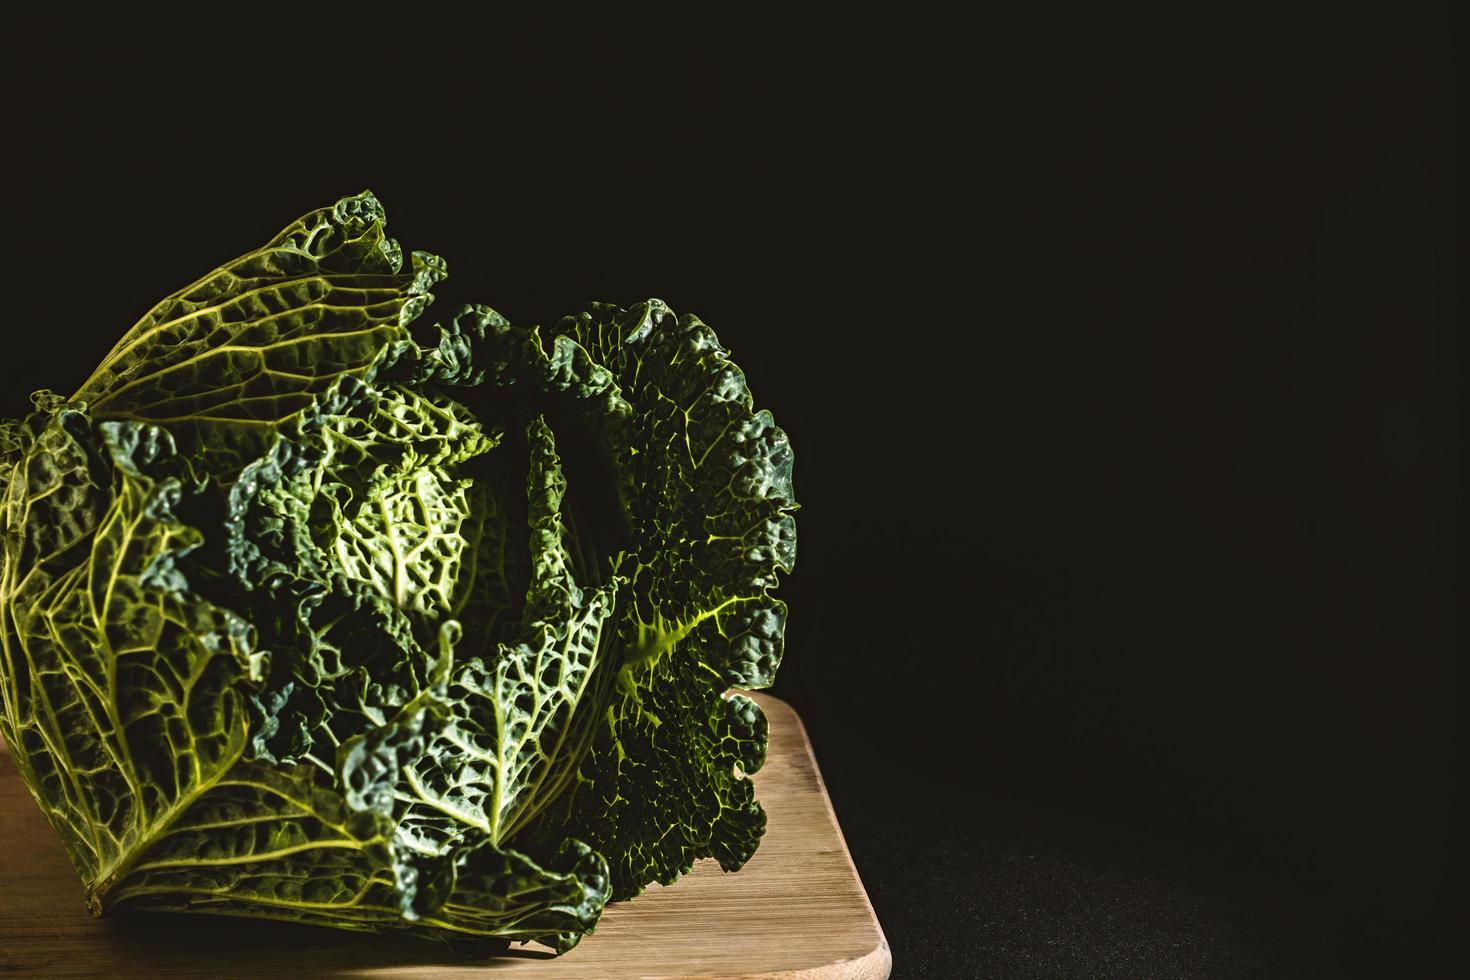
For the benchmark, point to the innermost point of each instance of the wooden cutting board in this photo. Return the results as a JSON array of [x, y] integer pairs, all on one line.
[[796, 910]]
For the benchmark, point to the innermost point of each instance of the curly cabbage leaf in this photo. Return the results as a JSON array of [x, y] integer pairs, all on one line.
[[318, 607]]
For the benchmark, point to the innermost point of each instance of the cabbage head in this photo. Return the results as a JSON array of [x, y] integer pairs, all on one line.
[[320, 605]]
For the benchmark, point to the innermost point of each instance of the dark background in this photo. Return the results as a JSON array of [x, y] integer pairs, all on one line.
[[1117, 357]]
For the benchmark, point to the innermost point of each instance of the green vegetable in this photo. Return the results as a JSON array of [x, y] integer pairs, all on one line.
[[317, 610]]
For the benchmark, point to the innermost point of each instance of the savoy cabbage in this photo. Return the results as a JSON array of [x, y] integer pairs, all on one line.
[[319, 606]]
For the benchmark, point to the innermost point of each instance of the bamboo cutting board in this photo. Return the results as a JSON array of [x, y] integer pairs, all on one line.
[[796, 910]]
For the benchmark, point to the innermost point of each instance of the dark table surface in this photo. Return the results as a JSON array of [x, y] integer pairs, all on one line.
[[1007, 888]]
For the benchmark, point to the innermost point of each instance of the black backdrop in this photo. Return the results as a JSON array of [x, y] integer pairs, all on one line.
[[1117, 360]]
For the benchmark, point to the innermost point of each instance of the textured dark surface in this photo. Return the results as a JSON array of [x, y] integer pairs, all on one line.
[[1027, 892]]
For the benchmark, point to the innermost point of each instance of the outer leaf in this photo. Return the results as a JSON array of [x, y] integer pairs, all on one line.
[[705, 486], [224, 361], [268, 843], [109, 657]]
